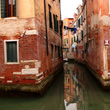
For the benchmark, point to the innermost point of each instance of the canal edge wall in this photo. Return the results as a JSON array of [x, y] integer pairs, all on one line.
[[104, 82], [38, 88]]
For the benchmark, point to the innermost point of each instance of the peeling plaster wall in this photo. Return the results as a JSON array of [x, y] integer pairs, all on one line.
[[15, 27]]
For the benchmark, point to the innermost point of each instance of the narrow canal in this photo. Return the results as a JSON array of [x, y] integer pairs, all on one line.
[[74, 89]]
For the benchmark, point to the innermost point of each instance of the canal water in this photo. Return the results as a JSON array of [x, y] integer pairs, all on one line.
[[74, 89]]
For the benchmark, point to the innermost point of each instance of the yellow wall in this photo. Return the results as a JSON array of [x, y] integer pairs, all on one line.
[[0, 8], [25, 8]]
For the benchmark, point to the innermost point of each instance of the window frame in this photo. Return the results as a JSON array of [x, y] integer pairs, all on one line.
[[5, 51]]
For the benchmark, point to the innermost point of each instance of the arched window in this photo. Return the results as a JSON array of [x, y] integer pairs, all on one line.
[[8, 8]]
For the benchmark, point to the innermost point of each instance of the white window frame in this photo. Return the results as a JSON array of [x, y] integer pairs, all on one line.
[[5, 51]]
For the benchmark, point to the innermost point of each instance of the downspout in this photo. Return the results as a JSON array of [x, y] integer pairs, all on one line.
[[87, 27], [46, 27]]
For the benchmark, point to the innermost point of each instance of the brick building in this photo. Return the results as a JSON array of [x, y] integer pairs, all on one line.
[[30, 41], [96, 41]]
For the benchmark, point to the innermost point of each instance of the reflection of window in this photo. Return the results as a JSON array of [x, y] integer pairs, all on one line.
[[67, 71], [8, 8]]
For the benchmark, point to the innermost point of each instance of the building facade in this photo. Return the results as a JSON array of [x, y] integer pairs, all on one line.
[[95, 41], [30, 40], [78, 36], [67, 38]]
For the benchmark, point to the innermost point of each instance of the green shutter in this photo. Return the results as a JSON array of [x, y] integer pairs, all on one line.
[[3, 8], [11, 51]]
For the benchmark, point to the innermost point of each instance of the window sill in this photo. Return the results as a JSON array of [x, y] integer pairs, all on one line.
[[10, 18], [12, 63]]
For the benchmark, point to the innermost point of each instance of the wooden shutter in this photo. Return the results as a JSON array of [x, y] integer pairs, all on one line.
[[3, 8]]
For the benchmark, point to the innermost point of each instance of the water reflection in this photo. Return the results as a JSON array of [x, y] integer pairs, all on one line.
[[75, 89], [81, 90]]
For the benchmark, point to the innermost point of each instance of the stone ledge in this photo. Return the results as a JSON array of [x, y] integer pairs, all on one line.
[[38, 88]]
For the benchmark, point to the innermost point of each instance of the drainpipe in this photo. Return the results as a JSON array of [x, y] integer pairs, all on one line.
[[87, 27], [46, 26]]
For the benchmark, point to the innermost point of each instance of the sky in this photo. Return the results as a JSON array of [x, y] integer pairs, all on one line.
[[68, 8]]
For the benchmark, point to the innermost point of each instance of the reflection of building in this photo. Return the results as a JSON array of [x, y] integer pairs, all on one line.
[[67, 38], [70, 85], [74, 86], [30, 40], [87, 93]]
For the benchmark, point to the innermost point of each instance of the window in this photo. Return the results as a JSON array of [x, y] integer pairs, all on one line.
[[79, 23], [58, 52], [8, 8], [82, 34], [81, 20], [11, 51], [50, 17], [51, 51], [55, 23], [61, 30]]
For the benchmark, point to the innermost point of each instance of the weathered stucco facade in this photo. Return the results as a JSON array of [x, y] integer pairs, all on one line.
[[31, 32]]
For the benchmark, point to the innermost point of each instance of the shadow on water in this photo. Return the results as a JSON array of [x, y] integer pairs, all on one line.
[[73, 89]]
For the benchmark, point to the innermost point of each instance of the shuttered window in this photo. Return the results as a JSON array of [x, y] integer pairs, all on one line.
[[50, 19], [55, 24], [8, 8], [3, 8], [11, 51]]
